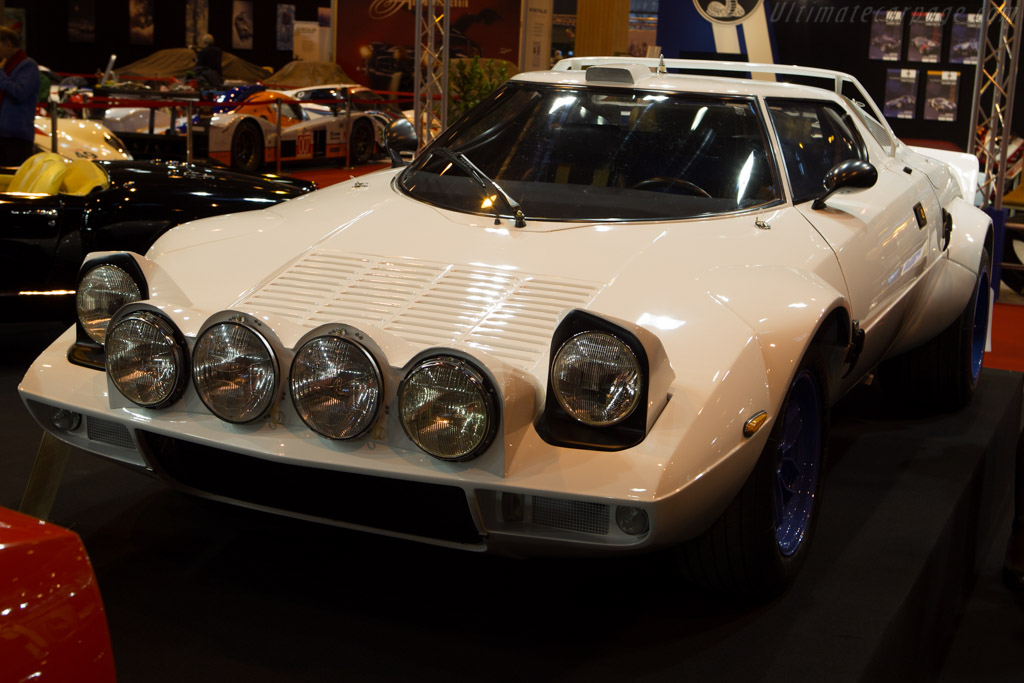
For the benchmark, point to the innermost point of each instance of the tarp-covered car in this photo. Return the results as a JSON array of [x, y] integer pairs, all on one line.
[[606, 311]]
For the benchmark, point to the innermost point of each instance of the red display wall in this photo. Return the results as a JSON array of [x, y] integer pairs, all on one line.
[[372, 33]]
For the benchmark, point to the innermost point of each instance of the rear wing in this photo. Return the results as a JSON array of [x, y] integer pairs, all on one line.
[[822, 78]]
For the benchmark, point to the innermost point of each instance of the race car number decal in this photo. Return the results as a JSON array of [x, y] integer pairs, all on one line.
[[304, 144]]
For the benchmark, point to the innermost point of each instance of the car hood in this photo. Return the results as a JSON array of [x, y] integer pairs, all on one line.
[[364, 254]]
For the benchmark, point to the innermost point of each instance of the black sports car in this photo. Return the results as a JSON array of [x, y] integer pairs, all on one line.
[[53, 212]]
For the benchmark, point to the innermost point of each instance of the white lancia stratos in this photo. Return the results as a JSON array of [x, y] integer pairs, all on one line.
[[606, 311]]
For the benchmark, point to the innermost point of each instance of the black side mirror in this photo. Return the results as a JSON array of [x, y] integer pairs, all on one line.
[[401, 137], [851, 173]]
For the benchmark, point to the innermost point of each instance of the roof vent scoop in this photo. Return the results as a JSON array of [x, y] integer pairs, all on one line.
[[618, 73]]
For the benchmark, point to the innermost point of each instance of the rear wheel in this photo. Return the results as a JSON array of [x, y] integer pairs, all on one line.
[[247, 147], [360, 142], [759, 543], [943, 374]]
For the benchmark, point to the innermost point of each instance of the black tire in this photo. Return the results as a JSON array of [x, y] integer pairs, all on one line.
[[943, 374], [247, 147], [758, 545], [361, 142], [1013, 253]]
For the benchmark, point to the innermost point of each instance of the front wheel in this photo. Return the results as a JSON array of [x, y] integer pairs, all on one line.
[[760, 542]]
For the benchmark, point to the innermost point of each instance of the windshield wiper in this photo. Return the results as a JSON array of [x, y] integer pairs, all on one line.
[[463, 162]]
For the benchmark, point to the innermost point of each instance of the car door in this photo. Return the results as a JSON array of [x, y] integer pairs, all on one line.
[[30, 229], [878, 234]]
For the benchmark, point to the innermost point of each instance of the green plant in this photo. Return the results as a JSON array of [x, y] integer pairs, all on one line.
[[472, 80]]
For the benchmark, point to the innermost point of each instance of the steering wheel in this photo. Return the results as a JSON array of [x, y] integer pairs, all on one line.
[[669, 183]]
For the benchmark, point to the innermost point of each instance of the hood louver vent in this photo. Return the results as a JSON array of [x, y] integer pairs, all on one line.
[[508, 314]]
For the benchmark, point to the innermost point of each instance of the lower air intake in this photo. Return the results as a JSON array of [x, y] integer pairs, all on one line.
[[571, 515], [108, 432], [419, 509]]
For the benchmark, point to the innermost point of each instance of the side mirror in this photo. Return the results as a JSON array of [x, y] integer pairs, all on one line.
[[401, 137], [851, 173]]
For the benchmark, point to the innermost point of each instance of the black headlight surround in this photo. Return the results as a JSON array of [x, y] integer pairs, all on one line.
[[558, 428], [85, 351]]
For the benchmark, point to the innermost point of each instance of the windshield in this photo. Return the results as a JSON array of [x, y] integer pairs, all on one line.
[[590, 154]]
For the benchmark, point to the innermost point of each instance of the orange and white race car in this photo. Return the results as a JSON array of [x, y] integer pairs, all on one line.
[[246, 137]]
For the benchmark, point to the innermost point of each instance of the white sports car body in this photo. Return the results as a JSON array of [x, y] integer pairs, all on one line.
[[606, 312], [81, 139]]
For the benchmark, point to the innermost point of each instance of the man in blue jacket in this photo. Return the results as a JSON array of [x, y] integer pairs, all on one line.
[[19, 90]]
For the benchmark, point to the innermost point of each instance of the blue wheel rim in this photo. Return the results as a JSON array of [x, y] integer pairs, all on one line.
[[979, 328], [799, 459]]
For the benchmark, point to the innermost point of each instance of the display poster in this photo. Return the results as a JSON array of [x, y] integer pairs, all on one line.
[[81, 21], [306, 41], [323, 19], [140, 17], [241, 25], [966, 36], [285, 26], [925, 37], [535, 48], [941, 90], [886, 35], [197, 20], [900, 93], [376, 37]]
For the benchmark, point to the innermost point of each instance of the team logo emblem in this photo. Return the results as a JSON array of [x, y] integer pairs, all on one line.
[[726, 11]]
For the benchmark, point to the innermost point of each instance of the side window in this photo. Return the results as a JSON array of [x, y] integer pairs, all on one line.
[[814, 137]]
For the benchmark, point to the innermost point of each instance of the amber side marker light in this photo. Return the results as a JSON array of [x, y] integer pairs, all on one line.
[[751, 426]]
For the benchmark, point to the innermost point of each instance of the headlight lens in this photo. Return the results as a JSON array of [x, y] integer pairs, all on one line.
[[336, 387], [102, 291], [234, 371], [448, 408], [144, 361], [596, 378]]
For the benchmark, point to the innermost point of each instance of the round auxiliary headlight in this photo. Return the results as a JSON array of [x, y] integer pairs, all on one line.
[[234, 371], [448, 408], [336, 387], [144, 361], [596, 378], [102, 291]]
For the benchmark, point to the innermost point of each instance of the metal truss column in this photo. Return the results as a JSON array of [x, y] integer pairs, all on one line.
[[433, 24], [992, 108]]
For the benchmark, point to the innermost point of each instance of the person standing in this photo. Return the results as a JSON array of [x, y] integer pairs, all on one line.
[[208, 63], [19, 90]]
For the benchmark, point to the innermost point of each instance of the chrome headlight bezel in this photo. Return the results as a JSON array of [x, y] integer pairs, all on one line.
[[171, 336], [369, 417], [476, 379], [247, 325]]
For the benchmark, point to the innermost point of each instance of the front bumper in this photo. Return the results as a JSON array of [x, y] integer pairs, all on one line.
[[529, 497]]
